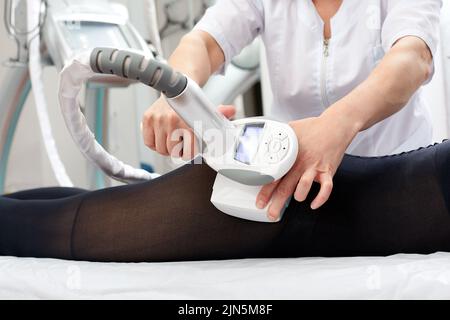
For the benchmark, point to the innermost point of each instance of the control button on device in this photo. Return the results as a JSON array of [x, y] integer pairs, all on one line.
[[275, 146], [284, 149], [281, 135], [267, 142], [274, 159], [271, 158]]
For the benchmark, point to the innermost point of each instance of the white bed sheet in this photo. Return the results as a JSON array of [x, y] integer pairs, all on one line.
[[396, 277]]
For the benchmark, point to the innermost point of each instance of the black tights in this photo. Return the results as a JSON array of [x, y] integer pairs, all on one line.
[[379, 206]]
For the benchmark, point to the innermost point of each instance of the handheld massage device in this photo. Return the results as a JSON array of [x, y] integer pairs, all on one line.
[[246, 153]]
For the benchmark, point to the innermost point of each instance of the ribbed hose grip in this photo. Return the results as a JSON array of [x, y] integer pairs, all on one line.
[[135, 66]]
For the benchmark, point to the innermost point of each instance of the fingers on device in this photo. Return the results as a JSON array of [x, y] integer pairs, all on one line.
[[263, 152], [247, 153]]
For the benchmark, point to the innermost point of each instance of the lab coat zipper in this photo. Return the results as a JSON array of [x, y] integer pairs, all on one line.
[[323, 81]]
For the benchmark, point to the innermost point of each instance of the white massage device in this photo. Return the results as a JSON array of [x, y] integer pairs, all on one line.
[[247, 153]]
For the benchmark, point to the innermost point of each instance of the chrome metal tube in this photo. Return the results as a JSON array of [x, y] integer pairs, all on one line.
[[14, 92]]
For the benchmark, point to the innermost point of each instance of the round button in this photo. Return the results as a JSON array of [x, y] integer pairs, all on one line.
[[275, 146], [281, 135], [284, 150], [267, 142], [272, 158]]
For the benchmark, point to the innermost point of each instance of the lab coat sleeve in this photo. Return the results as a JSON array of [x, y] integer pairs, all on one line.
[[420, 18], [234, 24]]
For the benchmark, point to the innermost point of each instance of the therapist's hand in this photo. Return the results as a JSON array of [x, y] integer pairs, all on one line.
[[323, 140], [322, 144], [161, 130]]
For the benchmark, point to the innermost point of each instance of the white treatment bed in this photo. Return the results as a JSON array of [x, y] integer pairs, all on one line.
[[396, 277]]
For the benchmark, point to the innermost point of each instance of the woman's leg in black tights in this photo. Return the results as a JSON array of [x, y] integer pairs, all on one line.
[[167, 219], [388, 205], [379, 206], [45, 193], [38, 223]]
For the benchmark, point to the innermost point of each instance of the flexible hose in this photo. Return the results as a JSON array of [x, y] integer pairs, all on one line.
[[35, 66], [72, 78]]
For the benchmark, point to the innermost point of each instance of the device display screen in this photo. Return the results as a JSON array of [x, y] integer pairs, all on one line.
[[248, 143], [86, 35]]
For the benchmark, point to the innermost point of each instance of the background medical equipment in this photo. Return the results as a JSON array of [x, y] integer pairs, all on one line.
[[59, 29], [253, 151], [84, 24], [79, 25]]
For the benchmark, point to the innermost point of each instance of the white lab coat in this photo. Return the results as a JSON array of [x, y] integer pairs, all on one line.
[[307, 76]]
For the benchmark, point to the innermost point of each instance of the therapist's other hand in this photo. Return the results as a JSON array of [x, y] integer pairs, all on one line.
[[322, 144], [161, 130]]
